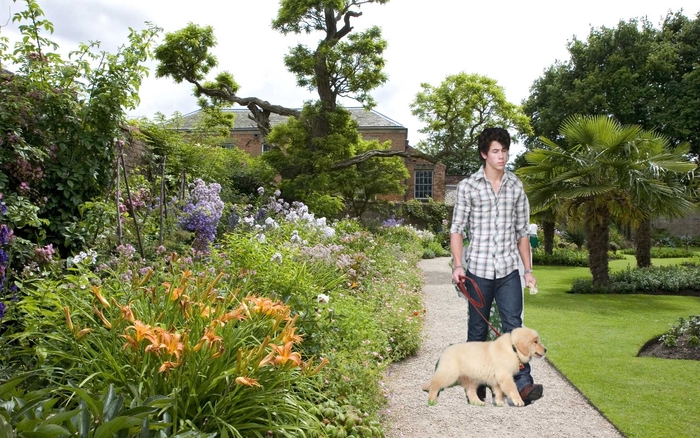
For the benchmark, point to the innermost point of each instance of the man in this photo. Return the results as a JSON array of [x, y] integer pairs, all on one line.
[[493, 206]]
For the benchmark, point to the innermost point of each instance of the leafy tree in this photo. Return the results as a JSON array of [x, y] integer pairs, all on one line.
[[343, 64], [58, 123], [456, 111], [633, 72], [360, 184], [600, 172]]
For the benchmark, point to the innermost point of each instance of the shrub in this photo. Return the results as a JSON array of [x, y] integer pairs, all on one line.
[[689, 328], [666, 280], [663, 252], [566, 257]]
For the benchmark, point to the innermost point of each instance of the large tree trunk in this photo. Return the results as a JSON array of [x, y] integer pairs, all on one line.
[[642, 241], [597, 227], [548, 230]]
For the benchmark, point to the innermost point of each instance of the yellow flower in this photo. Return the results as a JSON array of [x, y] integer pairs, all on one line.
[[247, 381]]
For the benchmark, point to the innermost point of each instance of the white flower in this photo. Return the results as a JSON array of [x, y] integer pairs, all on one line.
[[323, 298], [261, 238], [261, 191], [328, 232], [276, 257], [269, 222]]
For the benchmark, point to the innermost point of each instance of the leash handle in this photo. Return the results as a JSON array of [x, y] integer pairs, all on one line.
[[463, 289]]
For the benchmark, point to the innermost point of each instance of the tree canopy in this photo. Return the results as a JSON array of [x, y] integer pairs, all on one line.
[[343, 64], [634, 72], [456, 111]]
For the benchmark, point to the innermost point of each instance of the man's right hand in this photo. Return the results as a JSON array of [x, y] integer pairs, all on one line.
[[458, 274]]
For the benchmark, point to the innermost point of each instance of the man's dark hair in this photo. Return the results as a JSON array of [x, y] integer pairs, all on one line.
[[488, 136]]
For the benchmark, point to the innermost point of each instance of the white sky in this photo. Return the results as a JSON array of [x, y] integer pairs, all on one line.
[[508, 40]]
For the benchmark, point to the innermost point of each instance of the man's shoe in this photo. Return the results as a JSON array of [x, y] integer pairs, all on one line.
[[530, 393]]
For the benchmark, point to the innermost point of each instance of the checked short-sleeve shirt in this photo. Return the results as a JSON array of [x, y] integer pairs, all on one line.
[[495, 224]]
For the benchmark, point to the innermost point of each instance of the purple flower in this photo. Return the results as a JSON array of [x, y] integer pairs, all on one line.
[[2, 309], [202, 213]]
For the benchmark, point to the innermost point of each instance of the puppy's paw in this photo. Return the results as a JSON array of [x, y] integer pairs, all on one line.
[[518, 402], [432, 402], [477, 403]]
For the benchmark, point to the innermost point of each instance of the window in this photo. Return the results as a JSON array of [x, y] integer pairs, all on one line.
[[266, 148], [424, 184]]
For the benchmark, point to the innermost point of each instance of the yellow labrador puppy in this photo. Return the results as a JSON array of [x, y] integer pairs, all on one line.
[[494, 363]]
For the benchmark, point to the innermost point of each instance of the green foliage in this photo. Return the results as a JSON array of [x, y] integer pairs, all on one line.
[[664, 253], [567, 257], [305, 161], [361, 183], [455, 113], [689, 328], [185, 54], [35, 413], [574, 235], [604, 171], [58, 122], [666, 280], [633, 72]]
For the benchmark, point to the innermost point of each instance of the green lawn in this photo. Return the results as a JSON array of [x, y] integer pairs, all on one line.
[[594, 339]]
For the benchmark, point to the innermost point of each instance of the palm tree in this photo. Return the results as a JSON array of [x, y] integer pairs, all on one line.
[[668, 167], [601, 172]]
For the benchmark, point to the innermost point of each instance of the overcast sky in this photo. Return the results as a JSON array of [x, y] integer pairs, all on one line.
[[510, 41]]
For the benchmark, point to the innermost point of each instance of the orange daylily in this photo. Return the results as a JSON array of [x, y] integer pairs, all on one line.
[[96, 291], [268, 307], [69, 320], [247, 381], [141, 331], [238, 313], [81, 334], [285, 354], [210, 338], [171, 343], [310, 364], [102, 317], [289, 334], [127, 313], [167, 366]]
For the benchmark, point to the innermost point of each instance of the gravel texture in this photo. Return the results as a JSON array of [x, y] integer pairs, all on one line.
[[561, 412]]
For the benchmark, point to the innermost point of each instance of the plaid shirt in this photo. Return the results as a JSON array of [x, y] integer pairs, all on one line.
[[495, 223]]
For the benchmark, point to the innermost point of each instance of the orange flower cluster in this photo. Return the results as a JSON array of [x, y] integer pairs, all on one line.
[[171, 346]]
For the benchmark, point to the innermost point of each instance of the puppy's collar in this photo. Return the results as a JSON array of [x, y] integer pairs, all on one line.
[[515, 350]]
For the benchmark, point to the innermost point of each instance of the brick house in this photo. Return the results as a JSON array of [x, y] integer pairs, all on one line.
[[427, 179]]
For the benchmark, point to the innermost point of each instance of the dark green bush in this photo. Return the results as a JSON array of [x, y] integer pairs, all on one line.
[[566, 257]]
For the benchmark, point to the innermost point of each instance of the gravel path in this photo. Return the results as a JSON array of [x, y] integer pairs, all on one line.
[[562, 412]]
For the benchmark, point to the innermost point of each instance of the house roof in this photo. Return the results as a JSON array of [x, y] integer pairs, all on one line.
[[365, 119]]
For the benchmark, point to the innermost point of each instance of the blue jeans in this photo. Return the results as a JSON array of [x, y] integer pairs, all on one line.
[[508, 293]]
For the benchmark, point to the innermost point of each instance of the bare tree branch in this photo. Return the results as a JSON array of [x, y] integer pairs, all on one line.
[[260, 109], [347, 28]]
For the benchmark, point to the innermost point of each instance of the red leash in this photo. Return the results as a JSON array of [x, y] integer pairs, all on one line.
[[463, 290]]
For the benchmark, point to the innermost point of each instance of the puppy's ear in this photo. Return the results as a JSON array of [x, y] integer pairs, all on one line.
[[521, 340]]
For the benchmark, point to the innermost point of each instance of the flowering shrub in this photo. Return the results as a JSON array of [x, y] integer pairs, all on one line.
[[188, 327], [202, 212]]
